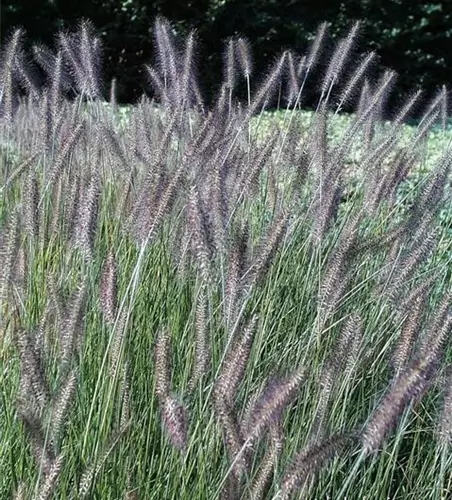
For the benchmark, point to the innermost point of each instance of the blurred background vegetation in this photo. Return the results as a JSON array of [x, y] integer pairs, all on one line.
[[412, 37]]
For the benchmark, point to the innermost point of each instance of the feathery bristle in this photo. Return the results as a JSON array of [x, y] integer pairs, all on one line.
[[273, 401], [408, 335], [67, 147], [86, 221], [438, 333], [33, 378], [229, 57], [187, 79], [236, 361], [315, 49], [309, 462], [244, 57], [109, 288], [174, 417], [119, 333], [71, 329], [197, 222], [49, 484], [338, 367], [44, 456], [234, 282], [62, 402], [31, 208], [268, 248], [92, 471], [293, 85], [90, 54], [236, 447], [445, 419], [12, 48], [202, 346], [413, 382], [125, 416], [355, 78], [20, 492], [163, 364], [263, 478], [269, 85]]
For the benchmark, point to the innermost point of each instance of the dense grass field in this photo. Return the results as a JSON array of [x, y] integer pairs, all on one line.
[[224, 302]]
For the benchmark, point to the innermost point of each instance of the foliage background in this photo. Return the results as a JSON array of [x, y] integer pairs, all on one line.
[[414, 38]]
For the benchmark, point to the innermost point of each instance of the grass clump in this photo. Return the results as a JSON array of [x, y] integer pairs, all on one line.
[[201, 301]]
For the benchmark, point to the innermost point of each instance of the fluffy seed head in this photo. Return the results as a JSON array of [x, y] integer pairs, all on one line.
[[109, 288], [174, 417]]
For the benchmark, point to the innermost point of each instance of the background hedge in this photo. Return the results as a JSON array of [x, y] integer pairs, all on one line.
[[414, 38]]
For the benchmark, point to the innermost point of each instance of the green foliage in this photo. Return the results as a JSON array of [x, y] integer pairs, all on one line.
[[411, 37]]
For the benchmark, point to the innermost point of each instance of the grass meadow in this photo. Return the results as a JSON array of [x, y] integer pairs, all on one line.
[[222, 301]]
